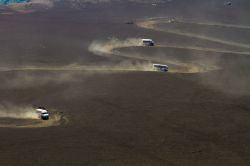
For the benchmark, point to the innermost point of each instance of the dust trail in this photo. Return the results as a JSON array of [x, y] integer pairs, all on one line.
[[110, 48], [123, 66], [63, 74], [215, 50], [56, 119], [169, 20], [175, 65], [13, 116], [217, 24], [152, 24], [17, 112], [107, 47]]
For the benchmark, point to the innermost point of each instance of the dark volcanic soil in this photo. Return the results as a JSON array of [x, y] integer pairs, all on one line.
[[129, 117]]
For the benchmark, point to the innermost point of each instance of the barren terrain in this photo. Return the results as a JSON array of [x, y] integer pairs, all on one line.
[[83, 61]]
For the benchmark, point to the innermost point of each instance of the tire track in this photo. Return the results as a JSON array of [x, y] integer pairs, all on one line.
[[152, 24]]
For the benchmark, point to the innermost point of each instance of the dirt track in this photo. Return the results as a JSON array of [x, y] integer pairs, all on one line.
[[120, 115]]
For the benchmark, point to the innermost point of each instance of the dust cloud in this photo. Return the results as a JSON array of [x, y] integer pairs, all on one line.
[[107, 47], [110, 48], [34, 76], [17, 112], [16, 116]]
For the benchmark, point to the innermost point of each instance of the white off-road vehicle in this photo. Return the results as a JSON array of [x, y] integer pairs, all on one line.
[[147, 42], [42, 113], [160, 67]]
